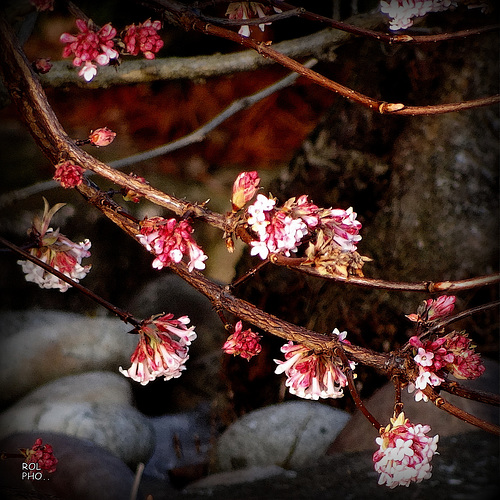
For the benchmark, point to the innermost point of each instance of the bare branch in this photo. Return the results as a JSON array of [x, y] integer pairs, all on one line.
[[182, 16], [382, 36], [442, 404], [123, 315]]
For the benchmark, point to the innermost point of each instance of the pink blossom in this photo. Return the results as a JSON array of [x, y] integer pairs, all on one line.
[[244, 188], [303, 209], [162, 349], [277, 230], [170, 241], [402, 12], [42, 65], [312, 375], [244, 343], [42, 455], [247, 10], [423, 357], [143, 38], [431, 358], [453, 353], [404, 453], [282, 229], [466, 362], [440, 307], [68, 174], [90, 45], [341, 226], [88, 71], [54, 249], [102, 136]]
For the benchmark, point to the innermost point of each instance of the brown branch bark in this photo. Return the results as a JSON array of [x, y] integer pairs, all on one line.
[[378, 35], [442, 404]]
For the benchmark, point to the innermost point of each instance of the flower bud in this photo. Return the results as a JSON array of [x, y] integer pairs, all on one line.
[[102, 136], [244, 188], [42, 65]]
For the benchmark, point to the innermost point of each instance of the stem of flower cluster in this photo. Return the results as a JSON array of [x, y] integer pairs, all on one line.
[[123, 315]]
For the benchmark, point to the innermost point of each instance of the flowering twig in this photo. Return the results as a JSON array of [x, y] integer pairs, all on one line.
[[198, 67], [123, 315], [54, 142]]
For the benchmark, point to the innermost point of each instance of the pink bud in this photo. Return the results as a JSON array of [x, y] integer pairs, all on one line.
[[442, 306], [102, 136], [244, 188], [42, 65]]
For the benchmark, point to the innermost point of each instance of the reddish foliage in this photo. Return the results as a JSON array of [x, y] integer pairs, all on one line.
[[147, 116]]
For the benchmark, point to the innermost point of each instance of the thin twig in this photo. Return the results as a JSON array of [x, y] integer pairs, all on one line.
[[442, 404], [222, 21], [379, 35], [137, 481], [123, 315], [201, 133], [467, 393], [339, 351], [461, 315]]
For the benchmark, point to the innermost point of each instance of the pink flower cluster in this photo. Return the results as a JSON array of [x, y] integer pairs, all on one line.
[[54, 249], [454, 353], [341, 226], [68, 174], [41, 454], [404, 453], [170, 241], [162, 350], [244, 343], [143, 38], [247, 10], [311, 375], [432, 309], [90, 45], [276, 229], [281, 230], [402, 12]]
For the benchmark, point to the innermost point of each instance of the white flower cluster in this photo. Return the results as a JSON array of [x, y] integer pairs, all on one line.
[[67, 260], [405, 454], [402, 12], [277, 232]]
